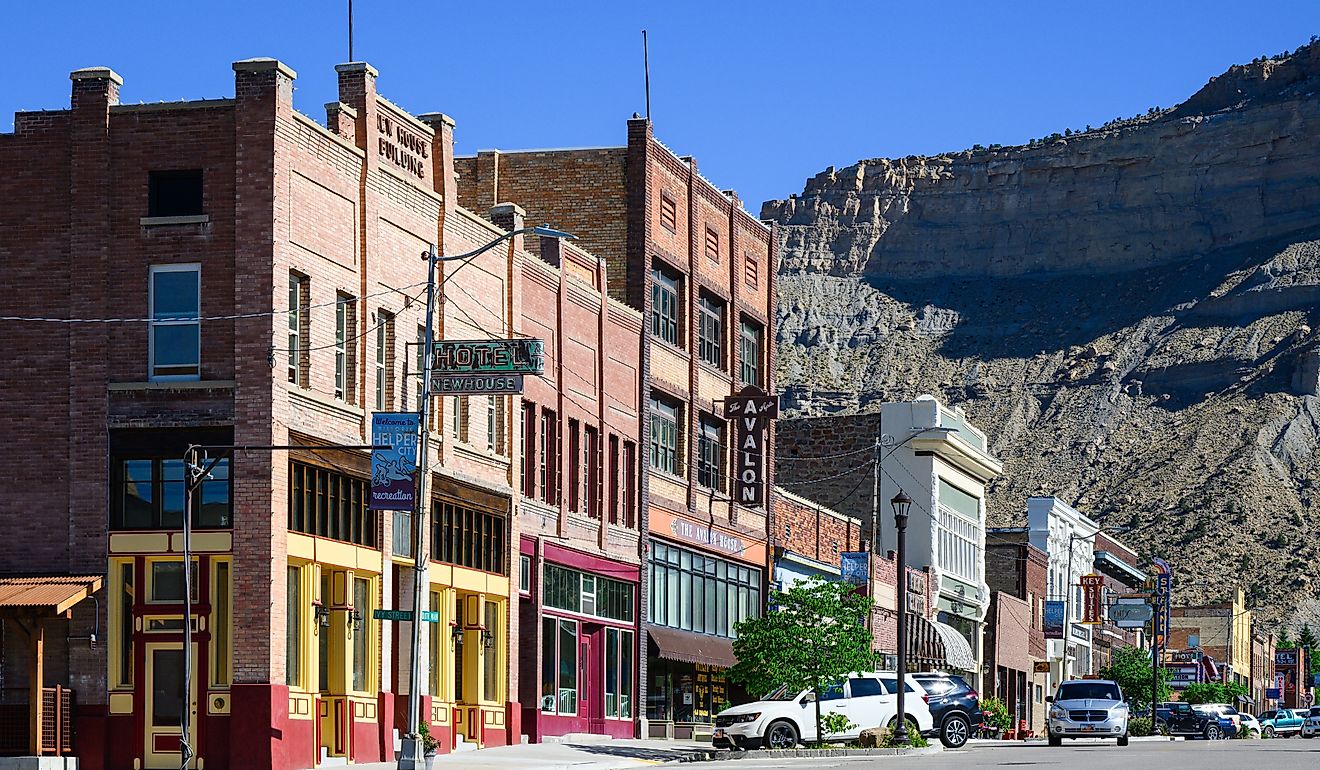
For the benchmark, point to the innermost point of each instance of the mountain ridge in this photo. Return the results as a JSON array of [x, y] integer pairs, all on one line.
[[1127, 313]]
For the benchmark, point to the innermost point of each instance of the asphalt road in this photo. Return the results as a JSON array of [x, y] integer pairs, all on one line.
[[1138, 755]]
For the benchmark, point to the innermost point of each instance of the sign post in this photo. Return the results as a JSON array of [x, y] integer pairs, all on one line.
[[751, 410]]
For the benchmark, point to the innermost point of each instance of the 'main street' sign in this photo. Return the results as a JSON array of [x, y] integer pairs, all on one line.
[[521, 356]]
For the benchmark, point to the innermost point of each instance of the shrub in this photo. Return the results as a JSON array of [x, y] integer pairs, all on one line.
[[997, 715], [915, 739], [1139, 727], [834, 723]]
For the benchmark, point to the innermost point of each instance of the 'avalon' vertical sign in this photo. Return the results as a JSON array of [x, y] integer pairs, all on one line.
[[751, 410], [394, 470]]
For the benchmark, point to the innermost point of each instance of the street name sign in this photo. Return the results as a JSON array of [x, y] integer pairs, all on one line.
[[428, 616]]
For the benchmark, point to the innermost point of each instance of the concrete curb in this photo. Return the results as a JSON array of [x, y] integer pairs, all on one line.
[[808, 753]]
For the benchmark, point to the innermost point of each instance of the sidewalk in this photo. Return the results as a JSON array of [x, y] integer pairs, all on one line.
[[593, 755]]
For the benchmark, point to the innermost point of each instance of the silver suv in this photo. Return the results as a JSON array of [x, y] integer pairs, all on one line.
[[1088, 708]]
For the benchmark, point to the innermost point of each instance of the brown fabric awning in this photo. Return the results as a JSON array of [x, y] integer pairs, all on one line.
[[687, 647], [46, 594]]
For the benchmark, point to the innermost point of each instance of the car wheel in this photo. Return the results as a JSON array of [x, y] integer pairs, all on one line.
[[1122, 740], [1161, 727], [1269, 731], [955, 731], [1056, 740], [781, 735], [1213, 733]]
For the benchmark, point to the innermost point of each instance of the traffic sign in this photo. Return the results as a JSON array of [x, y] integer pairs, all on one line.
[[428, 616]]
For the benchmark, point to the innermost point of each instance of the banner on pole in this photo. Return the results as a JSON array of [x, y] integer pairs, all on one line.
[[1053, 620], [854, 567], [394, 469]]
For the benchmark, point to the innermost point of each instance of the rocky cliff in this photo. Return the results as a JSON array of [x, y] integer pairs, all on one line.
[[1127, 311]]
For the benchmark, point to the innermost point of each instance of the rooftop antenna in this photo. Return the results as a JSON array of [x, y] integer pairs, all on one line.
[[646, 69], [350, 30]]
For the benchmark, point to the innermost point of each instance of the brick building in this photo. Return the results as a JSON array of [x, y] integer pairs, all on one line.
[[1016, 572], [1116, 563], [700, 270], [1221, 631], [579, 513], [808, 538], [271, 270]]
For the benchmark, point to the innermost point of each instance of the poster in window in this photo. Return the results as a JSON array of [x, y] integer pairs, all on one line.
[[1053, 620], [394, 466]]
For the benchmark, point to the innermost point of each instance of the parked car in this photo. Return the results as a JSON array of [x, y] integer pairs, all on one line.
[[1224, 709], [1183, 719], [1250, 724], [784, 718], [1281, 722], [1087, 708], [1311, 727], [954, 706]]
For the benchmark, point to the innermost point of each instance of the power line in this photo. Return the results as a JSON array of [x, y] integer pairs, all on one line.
[[192, 319]]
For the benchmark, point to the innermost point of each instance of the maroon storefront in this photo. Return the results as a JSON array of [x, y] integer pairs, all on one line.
[[581, 662]]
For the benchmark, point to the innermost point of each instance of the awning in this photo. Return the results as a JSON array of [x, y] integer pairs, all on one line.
[[957, 652], [46, 594], [687, 647]]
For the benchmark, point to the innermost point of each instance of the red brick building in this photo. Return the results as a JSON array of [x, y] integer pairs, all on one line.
[[700, 270], [1017, 573], [268, 276], [580, 508]]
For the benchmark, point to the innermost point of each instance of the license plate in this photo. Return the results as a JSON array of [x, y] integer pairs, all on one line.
[[1088, 728], [719, 732]]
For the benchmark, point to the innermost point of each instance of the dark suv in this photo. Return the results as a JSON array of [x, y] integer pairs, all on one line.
[[955, 708]]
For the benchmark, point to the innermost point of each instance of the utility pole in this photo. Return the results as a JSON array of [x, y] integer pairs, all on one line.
[[411, 755]]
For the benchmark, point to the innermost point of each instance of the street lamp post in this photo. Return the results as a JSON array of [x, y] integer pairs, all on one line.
[[411, 752], [901, 503]]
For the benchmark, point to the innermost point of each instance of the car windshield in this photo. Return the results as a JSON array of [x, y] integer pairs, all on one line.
[[1088, 690], [782, 693]]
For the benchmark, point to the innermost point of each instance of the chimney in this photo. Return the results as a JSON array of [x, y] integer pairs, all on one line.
[[442, 156], [509, 216], [95, 88], [342, 120], [357, 89]]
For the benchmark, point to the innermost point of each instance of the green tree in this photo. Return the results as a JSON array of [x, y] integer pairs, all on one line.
[[1213, 692], [1130, 667], [1284, 642], [1306, 639], [813, 635]]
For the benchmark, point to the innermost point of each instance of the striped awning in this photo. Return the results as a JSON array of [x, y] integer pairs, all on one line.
[[47, 593], [957, 652]]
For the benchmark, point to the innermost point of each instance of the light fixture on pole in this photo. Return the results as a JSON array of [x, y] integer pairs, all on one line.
[[901, 505], [411, 752]]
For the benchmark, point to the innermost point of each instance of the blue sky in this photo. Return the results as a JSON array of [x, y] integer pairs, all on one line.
[[764, 94]]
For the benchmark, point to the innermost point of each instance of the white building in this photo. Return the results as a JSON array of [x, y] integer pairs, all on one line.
[[1068, 537], [941, 461]]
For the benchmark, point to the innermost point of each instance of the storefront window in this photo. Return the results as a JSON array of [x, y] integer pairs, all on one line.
[[126, 626], [361, 635], [618, 673], [220, 625], [700, 593], [490, 685], [293, 629], [689, 693], [573, 591], [568, 654], [549, 664]]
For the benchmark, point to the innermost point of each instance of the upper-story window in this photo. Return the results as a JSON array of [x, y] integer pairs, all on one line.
[[666, 419], [329, 504], [148, 493], [174, 193], [299, 299], [345, 323], [668, 213], [710, 330], [712, 244], [710, 454], [176, 333], [749, 350], [751, 271], [666, 308], [384, 361]]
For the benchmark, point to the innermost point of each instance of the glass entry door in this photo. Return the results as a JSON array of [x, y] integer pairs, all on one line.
[[165, 704]]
